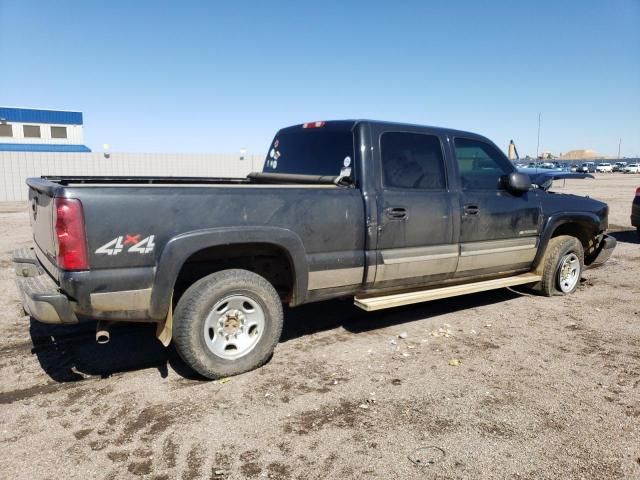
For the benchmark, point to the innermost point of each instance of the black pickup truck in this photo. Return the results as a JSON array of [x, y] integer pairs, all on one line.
[[387, 213]]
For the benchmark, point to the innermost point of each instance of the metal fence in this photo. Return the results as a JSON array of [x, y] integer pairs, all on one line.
[[15, 167]]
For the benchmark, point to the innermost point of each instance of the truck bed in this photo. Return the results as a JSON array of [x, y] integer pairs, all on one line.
[[153, 211]]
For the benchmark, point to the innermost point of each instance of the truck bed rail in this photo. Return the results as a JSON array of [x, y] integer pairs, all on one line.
[[68, 180]]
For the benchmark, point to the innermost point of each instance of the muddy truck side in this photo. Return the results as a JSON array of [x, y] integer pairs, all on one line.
[[388, 214]]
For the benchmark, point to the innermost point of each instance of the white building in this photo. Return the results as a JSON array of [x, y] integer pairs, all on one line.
[[34, 130]]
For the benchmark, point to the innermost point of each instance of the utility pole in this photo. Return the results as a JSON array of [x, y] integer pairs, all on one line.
[[538, 145], [619, 144]]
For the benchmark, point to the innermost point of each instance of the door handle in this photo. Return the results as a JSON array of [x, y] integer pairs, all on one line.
[[396, 213], [470, 209]]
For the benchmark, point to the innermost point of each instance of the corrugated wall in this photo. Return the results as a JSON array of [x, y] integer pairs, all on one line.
[[15, 167]]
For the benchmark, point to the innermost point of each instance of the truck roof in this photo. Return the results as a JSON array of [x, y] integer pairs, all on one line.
[[350, 124]]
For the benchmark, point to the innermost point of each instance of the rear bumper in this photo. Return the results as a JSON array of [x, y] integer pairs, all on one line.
[[48, 302], [605, 250], [39, 293], [43, 301]]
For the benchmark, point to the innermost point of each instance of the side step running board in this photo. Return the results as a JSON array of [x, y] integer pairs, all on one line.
[[371, 303]]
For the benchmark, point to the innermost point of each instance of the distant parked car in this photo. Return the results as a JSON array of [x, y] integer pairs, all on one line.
[[560, 166], [632, 168], [545, 165], [619, 166], [635, 211], [604, 168], [587, 167]]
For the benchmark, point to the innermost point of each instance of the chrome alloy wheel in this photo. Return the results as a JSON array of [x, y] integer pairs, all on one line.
[[568, 272], [234, 326]]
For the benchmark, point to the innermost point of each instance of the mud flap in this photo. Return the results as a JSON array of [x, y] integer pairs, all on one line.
[[164, 329]]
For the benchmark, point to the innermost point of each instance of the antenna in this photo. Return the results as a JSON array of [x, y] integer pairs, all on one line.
[[538, 145]]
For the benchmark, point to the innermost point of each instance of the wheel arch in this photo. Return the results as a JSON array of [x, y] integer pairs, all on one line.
[[582, 225], [180, 249]]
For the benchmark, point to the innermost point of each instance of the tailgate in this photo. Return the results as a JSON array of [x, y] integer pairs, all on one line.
[[41, 217]]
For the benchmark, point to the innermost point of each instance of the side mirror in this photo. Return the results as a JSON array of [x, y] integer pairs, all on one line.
[[517, 182]]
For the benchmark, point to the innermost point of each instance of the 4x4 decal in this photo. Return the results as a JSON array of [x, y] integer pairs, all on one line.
[[119, 244]]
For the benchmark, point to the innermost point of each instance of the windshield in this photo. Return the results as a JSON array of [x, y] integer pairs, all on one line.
[[325, 150]]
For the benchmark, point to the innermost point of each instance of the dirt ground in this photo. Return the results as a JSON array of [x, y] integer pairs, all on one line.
[[493, 385]]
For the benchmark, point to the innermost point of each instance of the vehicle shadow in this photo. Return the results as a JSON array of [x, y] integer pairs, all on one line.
[[316, 317], [626, 236], [69, 353]]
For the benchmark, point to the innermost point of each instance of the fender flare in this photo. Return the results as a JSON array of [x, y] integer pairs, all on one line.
[[179, 248], [590, 221]]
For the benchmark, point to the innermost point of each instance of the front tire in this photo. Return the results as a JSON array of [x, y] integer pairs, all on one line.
[[227, 323], [562, 266]]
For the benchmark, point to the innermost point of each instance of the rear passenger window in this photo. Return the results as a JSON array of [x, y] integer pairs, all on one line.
[[480, 165], [412, 160]]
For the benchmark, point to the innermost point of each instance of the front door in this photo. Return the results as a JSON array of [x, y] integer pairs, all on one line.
[[498, 230], [417, 240]]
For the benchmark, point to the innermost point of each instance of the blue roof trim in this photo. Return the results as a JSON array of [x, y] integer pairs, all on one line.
[[39, 147], [29, 115]]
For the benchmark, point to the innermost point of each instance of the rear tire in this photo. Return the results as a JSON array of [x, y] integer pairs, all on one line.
[[227, 323], [562, 266]]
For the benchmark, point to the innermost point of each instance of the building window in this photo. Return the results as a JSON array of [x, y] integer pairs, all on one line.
[[58, 132], [31, 131], [6, 130]]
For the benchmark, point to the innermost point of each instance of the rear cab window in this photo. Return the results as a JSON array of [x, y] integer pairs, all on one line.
[[315, 148], [412, 161]]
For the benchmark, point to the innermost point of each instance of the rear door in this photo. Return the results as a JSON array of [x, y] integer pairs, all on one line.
[[498, 230], [417, 210]]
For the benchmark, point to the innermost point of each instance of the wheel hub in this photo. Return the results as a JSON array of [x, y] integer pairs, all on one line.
[[232, 323], [234, 326]]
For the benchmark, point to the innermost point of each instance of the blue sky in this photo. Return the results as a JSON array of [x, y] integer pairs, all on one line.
[[199, 76]]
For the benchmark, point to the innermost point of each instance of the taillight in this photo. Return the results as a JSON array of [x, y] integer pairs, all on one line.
[[638, 192], [71, 240]]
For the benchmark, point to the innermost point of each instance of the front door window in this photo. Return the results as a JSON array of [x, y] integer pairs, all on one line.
[[480, 164]]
